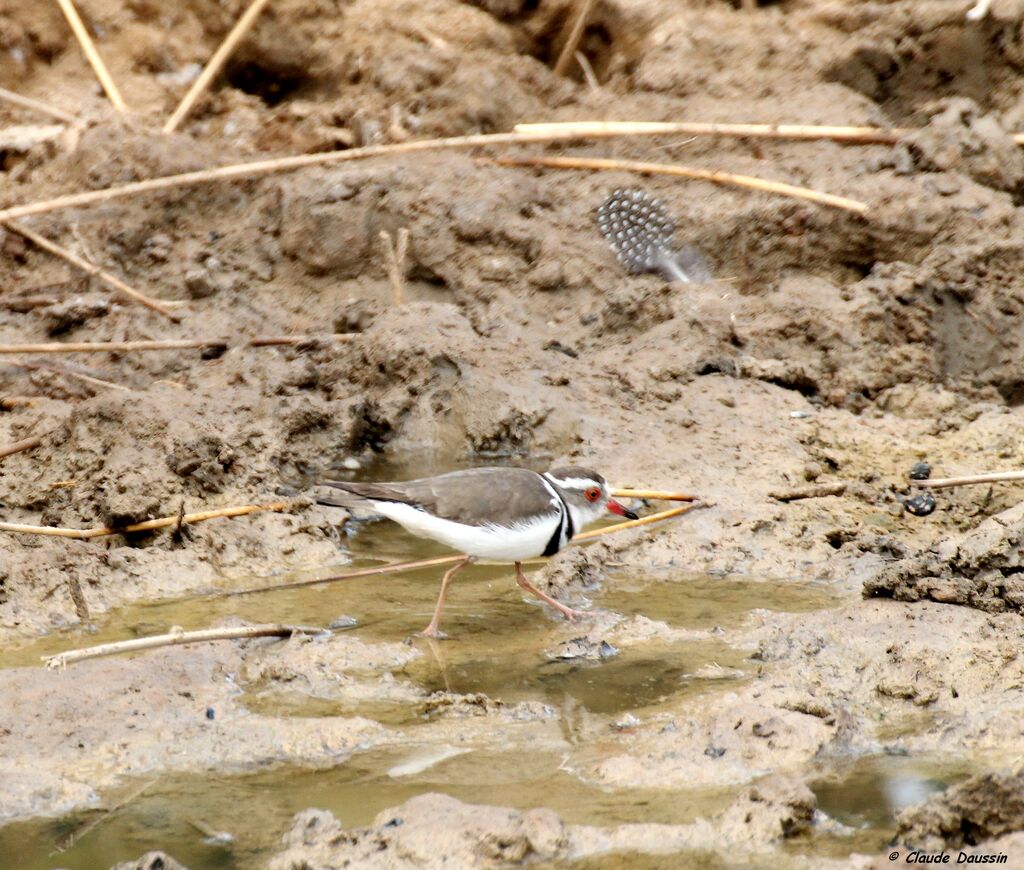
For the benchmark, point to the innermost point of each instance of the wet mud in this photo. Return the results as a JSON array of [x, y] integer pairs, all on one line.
[[799, 674]]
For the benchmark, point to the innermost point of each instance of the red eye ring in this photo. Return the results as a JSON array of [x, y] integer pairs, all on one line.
[[592, 494]]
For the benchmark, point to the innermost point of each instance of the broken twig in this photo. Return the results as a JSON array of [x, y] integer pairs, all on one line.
[[817, 490], [712, 175], [215, 64], [176, 638], [19, 446]]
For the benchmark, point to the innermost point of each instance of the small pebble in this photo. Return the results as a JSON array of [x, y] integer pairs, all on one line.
[[343, 622], [714, 752], [210, 714], [921, 471], [920, 505], [800, 415]]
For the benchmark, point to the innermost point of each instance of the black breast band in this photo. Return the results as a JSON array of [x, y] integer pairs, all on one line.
[[564, 526]]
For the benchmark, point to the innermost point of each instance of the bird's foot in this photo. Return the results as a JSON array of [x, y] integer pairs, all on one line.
[[570, 614], [433, 632]]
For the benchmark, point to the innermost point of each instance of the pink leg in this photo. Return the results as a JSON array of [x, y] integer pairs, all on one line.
[[432, 629], [567, 612]]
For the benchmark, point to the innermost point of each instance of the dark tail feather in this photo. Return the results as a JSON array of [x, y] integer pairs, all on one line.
[[354, 495]]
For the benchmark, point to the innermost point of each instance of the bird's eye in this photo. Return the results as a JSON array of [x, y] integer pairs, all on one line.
[[592, 494]]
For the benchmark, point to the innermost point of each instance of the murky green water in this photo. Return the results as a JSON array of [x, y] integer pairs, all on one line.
[[498, 647], [175, 812], [862, 796]]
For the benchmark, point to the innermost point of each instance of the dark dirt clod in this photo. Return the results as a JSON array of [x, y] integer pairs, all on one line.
[[967, 814], [920, 505], [921, 471]]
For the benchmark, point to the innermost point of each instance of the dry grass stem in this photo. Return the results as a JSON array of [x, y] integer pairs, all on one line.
[[712, 175], [91, 269], [69, 840], [257, 168], [37, 106], [805, 132], [161, 344], [177, 638], [93, 56], [399, 567], [588, 71], [565, 57], [145, 526], [76, 376], [394, 261], [643, 521], [394, 568], [661, 494], [971, 479], [215, 64]]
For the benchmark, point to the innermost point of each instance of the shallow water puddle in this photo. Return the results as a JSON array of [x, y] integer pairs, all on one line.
[[500, 646], [862, 797], [178, 813]]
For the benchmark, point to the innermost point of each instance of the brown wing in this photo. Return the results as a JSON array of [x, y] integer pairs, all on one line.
[[477, 495]]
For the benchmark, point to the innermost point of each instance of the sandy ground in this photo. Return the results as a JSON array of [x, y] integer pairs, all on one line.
[[833, 349]]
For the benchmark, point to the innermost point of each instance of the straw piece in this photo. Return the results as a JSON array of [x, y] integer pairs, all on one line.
[[92, 269], [78, 376], [176, 638], [215, 64], [280, 164], [573, 40], [394, 261], [162, 344], [394, 568], [815, 490], [69, 840], [19, 446], [806, 132], [37, 106], [398, 567], [711, 175], [662, 495], [98, 66], [643, 521], [588, 71], [146, 526], [971, 479]]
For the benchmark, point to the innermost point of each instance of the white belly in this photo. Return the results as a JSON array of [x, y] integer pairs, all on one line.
[[524, 541]]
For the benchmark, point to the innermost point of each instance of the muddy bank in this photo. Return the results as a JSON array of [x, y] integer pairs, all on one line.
[[726, 650]]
